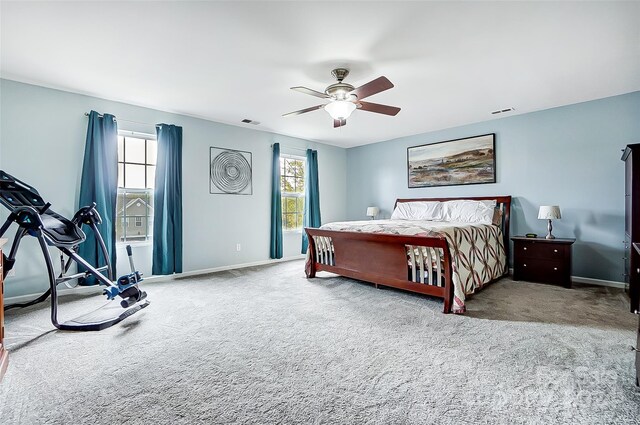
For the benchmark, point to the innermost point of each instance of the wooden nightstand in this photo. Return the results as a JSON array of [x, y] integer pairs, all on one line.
[[542, 260]]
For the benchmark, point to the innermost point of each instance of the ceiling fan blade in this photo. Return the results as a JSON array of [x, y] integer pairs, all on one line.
[[302, 111], [378, 85], [378, 108], [311, 92], [339, 123]]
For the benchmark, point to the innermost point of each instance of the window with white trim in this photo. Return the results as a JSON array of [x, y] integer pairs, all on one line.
[[136, 177], [292, 191]]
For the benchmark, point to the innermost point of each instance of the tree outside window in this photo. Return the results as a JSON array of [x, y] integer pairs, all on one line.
[[292, 191]]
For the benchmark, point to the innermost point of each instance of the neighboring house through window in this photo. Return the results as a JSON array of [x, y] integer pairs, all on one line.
[[292, 190], [136, 177]]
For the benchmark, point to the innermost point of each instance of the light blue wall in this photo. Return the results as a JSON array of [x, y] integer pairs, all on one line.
[[42, 136], [567, 156]]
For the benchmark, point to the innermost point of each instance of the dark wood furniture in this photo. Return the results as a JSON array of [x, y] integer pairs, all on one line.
[[631, 258], [383, 259], [4, 355], [637, 349], [631, 158], [636, 251], [542, 260]]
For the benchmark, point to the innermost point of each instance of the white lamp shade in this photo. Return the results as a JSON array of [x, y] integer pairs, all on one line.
[[340, 109], [549, 212], [372, 211]]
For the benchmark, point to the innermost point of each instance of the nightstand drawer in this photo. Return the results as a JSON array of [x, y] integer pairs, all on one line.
[[540, 250], [546, 268], [539, 270]]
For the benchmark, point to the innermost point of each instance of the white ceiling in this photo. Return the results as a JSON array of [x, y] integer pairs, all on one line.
[[451, 62]]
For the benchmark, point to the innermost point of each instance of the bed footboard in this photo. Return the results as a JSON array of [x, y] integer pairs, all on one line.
[[414, 263]]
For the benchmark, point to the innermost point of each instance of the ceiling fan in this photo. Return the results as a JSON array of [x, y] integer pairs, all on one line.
[[344, 98]]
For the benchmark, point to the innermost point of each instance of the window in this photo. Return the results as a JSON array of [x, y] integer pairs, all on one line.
[[292, 191], [136, 177]]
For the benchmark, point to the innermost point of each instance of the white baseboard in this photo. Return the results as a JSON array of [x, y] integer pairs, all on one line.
[[79, 290], [598, 282], [590, 281], [220, 269], [152, 279]]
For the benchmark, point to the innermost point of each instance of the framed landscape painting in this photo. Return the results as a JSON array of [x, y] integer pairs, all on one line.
[[471, 160]]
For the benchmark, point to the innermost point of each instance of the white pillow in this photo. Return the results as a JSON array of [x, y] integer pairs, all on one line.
[[419, 210], [469, 211]]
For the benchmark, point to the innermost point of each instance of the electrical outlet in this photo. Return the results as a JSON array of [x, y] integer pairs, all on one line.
[[238, 247]]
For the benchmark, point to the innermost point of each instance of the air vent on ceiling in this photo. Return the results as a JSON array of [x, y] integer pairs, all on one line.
[[502, 111], [248, 121]]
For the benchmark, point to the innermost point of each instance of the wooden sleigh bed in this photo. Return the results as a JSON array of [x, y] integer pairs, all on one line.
[[398, 261]]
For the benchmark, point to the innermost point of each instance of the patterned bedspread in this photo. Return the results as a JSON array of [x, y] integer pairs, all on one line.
[[477, 250]]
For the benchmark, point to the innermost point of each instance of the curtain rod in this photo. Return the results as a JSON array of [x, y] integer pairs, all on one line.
[[86, 114], [295, 149]]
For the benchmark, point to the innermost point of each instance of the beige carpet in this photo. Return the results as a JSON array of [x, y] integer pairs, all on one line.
[[263, 345]]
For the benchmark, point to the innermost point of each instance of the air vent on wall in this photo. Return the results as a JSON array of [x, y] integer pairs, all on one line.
[[248, 121], [501, 111]]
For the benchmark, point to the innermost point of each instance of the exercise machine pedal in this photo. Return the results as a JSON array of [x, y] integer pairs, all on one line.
[[103, 317]]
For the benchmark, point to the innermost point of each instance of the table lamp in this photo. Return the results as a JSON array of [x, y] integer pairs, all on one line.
[[549, 212], [372, 212]]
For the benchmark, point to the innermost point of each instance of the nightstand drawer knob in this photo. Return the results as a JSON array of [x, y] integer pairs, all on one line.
[[555, 250], [555, 268], [525, 248], [524, 265]]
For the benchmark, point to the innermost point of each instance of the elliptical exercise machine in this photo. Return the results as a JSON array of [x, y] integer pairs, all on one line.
[[34, 217]]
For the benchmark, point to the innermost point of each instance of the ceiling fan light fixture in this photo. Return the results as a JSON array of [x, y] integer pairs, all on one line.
[[344, 98], [340, 109]]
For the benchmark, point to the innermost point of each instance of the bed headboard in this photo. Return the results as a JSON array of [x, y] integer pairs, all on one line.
[[502, 202]]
